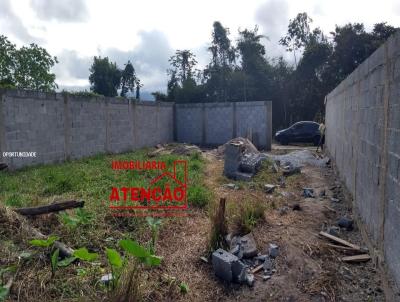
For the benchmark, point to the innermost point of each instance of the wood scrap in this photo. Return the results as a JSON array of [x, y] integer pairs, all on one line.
[[357, 258], [55, 207], [339, 240], [340, 247], [257, 269]]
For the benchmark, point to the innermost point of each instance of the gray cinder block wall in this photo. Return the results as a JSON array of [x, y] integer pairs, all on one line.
[[363, 139], [213, 124], [59, 127]]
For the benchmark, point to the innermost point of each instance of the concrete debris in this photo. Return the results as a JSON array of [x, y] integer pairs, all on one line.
[[301, 158], [204, 259], [269, 188], [289, 170], [240, 162], [266, 277], [346, 223], [247, 246], [322, 193], [261, 258], [268, 266], [334, 199], [275, 168], [231, 186], [308, 192], [186, 149], [250, 279], [282, 182], [247, 145], [273, 250]]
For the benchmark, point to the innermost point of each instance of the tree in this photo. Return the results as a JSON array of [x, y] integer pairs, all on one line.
[[138, 86], [298, 34], [27, 67], [105, 77], [220, 69], [183, 63], [128, 79]]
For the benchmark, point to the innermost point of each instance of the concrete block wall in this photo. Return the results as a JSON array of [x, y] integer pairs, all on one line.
[[363, 139], [59, 127], [213, 124]]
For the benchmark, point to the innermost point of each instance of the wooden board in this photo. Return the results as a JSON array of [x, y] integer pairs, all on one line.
[[357, 258], [339, 240]]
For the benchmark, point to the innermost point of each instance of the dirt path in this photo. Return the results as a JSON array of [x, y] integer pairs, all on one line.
[[307, 270]]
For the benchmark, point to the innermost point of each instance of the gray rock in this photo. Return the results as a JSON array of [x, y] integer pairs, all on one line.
[[261, 258], [266, 277], [250, 279], [239, 271], [248, 246], [231, 186], [273, 250], [289, 170], [269, 188], [268, 266], [334, 199], [333, 230], [283, 211], [308, 192], [346, 223]]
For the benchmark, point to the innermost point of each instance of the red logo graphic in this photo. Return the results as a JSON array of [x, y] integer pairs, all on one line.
[[165, 193]]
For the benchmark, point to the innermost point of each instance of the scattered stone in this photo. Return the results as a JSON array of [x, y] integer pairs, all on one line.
[[186, 149], [226, 265], [296, 207], [268, 266], [266, 277], [308, 192], [269, 188], [281, 181], [334, 199], [283, 211], [248, 246], [346, 223], [204, 259], [273, 250], [275, 168], [289, 170], [322, 193], [106, 279], [333, 230], [231, 186], [250, 279], [261, 258]]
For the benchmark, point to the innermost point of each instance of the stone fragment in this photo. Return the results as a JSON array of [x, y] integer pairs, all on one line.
[[273, 250], [266, 277], [308, 192], [250, 279], [248, 246], [346, 223], [269, 188], [222, 264]]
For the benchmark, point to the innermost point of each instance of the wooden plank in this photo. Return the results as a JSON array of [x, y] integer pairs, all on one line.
[[357, 258], [54, 207], [339, 240], [340, 247], [256, 269]]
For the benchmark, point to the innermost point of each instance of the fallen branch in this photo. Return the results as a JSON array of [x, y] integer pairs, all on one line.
[[55, 207], [344, 248], [339, 240]]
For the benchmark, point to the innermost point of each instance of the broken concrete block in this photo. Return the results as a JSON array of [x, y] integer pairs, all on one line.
[[239, 271], [346, 223], [290, 170], [231, 186], [268, 266], [273, 250], [248, 246], [222, 264], [233, 154], [269, 188], [251, 163], [106, 279], [250, 279]]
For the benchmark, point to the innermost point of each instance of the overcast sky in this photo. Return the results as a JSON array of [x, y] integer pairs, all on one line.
[[148, 31]]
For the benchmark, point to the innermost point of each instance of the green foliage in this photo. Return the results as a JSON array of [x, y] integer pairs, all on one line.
[[154, 225], [184, 288], [66, 261], [85, 255], [81, 217], [44, 242], [4, 291], [138, 251], [247, 215], [105, 77], [27, 67], [114, 258], [128, 79], [54, 261]]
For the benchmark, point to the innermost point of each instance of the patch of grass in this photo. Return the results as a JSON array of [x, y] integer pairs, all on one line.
[[247, 215], [198, 196]]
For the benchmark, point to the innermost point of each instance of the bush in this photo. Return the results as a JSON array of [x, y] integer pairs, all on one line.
[[248, 214]]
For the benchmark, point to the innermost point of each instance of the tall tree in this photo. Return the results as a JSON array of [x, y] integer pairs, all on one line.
[[219, 71], [105, 77], [27, 67], [297, 35], [128, 79]]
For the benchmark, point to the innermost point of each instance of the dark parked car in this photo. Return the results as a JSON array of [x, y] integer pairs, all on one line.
[[300, 132]]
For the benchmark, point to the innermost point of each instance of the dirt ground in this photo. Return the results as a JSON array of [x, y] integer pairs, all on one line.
[[307, 269]]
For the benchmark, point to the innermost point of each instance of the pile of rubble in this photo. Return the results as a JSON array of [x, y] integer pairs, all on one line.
[[242, 159], [243, 260]]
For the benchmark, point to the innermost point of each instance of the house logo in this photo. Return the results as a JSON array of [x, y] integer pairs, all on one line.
[[166, 194]]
